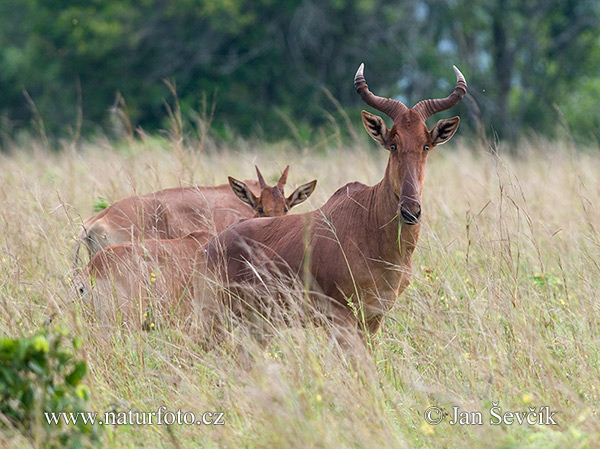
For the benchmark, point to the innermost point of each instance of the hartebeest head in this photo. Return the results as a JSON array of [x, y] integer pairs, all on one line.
[[271, 202], [409, 140]]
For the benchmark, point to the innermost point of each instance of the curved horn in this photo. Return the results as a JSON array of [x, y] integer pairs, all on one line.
[[261, 180], [392, 108], [283, 178], [427, 108]]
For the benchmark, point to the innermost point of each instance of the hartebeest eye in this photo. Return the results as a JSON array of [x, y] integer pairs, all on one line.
[[285, 209], [393, 147], [260, 210], [426, 148]]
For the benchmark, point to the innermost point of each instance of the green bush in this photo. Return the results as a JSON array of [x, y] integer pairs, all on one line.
[[100, 204], [41, 374]]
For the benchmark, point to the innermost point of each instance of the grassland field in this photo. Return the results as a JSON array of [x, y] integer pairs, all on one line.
[[503, 307]]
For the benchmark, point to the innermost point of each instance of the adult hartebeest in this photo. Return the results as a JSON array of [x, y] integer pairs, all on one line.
[[159, 270], [176, 212], [355, 252]]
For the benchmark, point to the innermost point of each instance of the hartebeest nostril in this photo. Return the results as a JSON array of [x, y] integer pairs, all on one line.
[[410, 218]]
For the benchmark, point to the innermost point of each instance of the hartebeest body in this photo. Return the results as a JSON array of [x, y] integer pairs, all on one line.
[[122, 282], [355, 252], [176, 212], [160, 270]]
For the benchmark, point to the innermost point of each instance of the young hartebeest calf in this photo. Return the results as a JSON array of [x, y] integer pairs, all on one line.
[[159, 270], [354, 253], [176, 212]]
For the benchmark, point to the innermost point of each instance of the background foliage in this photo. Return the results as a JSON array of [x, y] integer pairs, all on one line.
[[73, 67]]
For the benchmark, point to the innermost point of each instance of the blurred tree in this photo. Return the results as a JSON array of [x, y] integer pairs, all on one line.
[[524, 57], [269, 62]]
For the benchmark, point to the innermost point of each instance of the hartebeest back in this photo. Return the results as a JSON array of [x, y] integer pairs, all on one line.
[[161, 269], [351, 252], [176, 212]]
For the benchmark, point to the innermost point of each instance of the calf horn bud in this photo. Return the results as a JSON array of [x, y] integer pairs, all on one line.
[[283, 178], [261, 180]]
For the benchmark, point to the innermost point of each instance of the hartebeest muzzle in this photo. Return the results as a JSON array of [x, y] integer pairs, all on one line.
[[410, 217], [410, 202]]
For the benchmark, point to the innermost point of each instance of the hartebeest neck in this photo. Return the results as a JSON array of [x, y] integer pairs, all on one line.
[[401, 239]]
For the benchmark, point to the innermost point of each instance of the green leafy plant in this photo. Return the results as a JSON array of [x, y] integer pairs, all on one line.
[[100, 204], [41, 375]]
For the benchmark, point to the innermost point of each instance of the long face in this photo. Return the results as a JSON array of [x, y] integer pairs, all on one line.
[[409, 141], [409, 145]]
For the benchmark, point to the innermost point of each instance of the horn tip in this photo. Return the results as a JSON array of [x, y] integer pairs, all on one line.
[[360, 70], [459, 75]]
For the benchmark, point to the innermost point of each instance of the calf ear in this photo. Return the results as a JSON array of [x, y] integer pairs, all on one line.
[[443, 130], [375, 126], [243, 192], [301, 194]]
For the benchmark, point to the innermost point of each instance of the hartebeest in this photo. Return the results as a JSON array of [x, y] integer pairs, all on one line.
[[176, 212], [355, 252], [122, 282], [160, 270]]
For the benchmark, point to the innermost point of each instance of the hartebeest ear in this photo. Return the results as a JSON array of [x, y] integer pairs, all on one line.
[[301, 194], [243, 192], [443, 130], [375, 126]]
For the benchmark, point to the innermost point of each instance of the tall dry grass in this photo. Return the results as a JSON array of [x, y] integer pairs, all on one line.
[[502, 308]]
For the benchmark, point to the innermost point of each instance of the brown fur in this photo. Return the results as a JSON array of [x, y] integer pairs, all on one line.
[[175, 212], [160, 270], [355, 252], [166, 214], [142, 279]]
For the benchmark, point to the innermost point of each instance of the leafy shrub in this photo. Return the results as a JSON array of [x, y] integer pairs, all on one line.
[[41, 374], [100, 204]]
